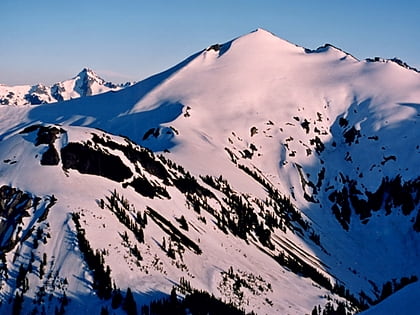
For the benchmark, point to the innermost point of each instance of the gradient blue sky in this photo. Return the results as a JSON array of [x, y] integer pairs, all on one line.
[[48, 41]]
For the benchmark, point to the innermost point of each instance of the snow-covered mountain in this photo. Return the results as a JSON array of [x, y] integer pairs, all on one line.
[[279, 179], [86, 83]]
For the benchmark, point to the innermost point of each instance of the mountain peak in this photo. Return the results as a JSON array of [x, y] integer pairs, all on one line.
[[85, 83], [262, 31], [87, 72], [263, 38]]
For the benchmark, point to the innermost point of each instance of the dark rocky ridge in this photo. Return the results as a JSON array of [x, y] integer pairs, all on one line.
[[90, 161]]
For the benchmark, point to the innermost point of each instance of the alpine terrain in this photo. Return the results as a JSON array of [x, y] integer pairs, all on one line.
[[255, 176], [86, 83]]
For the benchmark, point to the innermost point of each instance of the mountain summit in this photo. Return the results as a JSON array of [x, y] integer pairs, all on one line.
[[86, 83], [253, 176]]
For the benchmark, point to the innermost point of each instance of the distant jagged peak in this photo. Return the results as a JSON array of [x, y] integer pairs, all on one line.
[[87, 82], [88, 73]]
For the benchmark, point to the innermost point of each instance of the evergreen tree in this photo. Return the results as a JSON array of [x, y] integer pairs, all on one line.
[[386, 290], [145, 310], [116, 299], [173, 298], [21, 280], [17, 304], [129, 304], [341, 309]]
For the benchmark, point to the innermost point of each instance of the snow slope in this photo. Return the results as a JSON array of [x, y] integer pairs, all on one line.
[[402, 302], [334, 135]]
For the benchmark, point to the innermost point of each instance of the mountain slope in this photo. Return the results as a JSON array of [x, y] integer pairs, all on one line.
[[285, 179], [111, 218], [86, 83]]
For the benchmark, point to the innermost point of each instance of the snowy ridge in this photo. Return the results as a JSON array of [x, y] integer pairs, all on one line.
[[276, 178], [86, 83]]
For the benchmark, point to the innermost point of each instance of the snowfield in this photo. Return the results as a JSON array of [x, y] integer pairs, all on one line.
[[281, 180]]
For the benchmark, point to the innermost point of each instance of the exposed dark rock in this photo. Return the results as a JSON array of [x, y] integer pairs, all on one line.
[[136, 154], [14, 205], [254, 131], [319, 116], [215, 47], [351, 135], [147, 189], [30, 129], [151, 132], [246, 154], [319, 145], [56, 91], [321, 176], [305, 125], [84, 83], [389, 158], [343, 122], [95, 162], [404, 64], [50, 157], [33, 99], [45, 135], [48, 135], [392, 193]]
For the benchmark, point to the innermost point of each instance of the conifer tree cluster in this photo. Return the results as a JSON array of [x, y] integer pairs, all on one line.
[[298, 266], [124, 212], [393, 286], [127, 303], [241, 217], [175, 234], [281, 204], [102, 282], [14, 206], [21, 279], [390, 194], [4, 273], [195, 303], [148, 188], [329, 309]]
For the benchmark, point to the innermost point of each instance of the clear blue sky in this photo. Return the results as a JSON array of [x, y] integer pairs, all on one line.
[[48, 41]]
